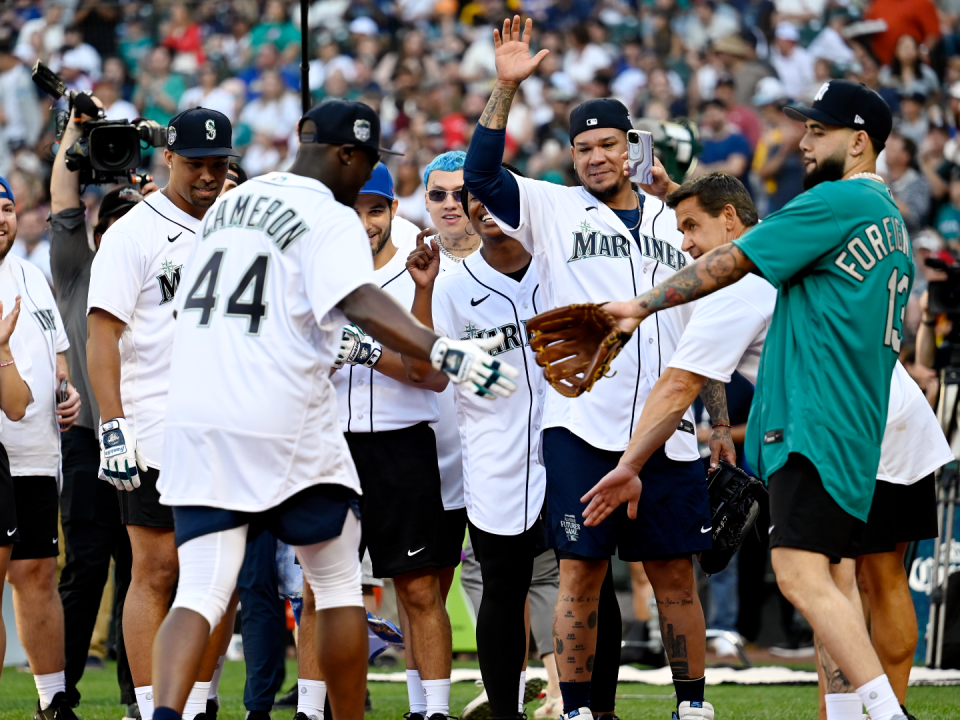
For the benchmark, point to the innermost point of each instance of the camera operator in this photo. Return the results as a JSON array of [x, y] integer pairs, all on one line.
[[89, 510]]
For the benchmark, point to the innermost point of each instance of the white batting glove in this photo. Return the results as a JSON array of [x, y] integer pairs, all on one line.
[[356, 348], [468, 361], [120, 455]]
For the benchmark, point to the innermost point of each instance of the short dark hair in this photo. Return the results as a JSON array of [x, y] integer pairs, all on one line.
[[235, 168], [714, 192]]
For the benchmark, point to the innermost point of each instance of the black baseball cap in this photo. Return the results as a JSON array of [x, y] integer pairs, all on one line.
[[345, 122], [845, 103], [600, 113], [201, 132], [119, 200]]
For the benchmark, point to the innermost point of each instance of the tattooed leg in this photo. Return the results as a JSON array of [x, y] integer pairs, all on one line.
[[832, 680], [575, 618], [681, 616]]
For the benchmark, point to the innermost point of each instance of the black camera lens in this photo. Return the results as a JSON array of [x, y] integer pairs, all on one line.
[[115, 148]]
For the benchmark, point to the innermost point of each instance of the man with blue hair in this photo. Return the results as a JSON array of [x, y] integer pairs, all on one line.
[[443, 179]]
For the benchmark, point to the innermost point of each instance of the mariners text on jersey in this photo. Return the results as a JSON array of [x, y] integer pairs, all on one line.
[[859, 257], [589, 243], [240, 210]]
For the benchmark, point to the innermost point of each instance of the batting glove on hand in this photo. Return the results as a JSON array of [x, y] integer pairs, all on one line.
[[468, 361], [120, 455], [357, 349]]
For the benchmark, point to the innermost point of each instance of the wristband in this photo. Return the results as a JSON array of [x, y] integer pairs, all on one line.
[[720, 425], [8, 363]]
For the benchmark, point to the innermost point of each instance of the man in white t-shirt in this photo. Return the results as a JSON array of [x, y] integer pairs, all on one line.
[[277, 268], [133, 280], [30, 462], [725, 334]]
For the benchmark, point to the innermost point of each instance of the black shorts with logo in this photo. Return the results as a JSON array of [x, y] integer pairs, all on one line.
[[29, 509], [404, 523], [141, 506], [899, 514], [803, 515]]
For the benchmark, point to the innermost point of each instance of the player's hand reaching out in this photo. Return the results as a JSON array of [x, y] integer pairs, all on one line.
[[721, 446], [514, 64], [628, 314], [468, 361], [423, 263], [620, 485]]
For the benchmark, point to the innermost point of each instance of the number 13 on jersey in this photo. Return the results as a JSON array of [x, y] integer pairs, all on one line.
[[246, 300], [897, 286]]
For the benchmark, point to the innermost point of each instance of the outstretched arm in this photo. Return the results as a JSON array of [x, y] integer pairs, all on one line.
[[674, 392], [381, 316], [720, 267]]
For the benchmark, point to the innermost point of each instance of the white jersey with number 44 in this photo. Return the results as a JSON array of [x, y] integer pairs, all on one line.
[[252, 415]]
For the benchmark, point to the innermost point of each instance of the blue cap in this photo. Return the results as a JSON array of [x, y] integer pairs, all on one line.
[[380, 183], [6, 193]]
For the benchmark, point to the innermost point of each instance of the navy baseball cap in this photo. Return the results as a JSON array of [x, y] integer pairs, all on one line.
[[844, 103], [201, 132], [120, 200], [344, 122], [5, 192], [600, 113], [380, 183]]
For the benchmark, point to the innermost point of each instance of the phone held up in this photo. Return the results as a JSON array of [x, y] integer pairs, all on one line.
[[640, 156]]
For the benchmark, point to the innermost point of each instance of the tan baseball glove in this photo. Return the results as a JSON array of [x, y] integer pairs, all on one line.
[[575, 345]]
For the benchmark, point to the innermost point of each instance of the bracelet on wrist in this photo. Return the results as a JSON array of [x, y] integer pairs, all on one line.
[[715, 426], [9, 362]]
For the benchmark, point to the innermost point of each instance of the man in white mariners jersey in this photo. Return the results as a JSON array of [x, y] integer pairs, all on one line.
[[494, 292], [277, 265], [29, 479], [589, 242], [133, 280], [725, 334], [386, 419]]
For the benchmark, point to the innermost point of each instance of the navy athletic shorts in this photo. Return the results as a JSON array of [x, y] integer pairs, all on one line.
[[673, 518], [313, 515]]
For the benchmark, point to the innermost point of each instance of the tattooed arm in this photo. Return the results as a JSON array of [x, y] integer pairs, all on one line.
[[714, 396], [720, 267], [514, 65]]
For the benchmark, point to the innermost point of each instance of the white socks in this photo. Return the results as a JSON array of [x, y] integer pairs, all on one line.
[[438, 696], [48, 686], [879, 699], [145, 701], [311, 695], [523, 690], [196, 701], [844, 706], [215, 680], [418, 701]]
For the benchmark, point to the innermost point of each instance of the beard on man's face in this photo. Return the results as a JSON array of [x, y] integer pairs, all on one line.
[[382, 240], [606, 193], [827, 170]]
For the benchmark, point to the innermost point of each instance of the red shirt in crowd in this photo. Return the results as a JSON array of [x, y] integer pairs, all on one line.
[[904, 17]]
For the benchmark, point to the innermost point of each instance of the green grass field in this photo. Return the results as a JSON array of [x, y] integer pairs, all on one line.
[[781, 702]]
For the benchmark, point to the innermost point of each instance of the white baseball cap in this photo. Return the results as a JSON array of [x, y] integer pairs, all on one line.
[[787, 31], [364, 26]]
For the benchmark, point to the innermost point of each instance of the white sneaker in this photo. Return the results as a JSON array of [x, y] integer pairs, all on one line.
[[478, 708], [552, 708], [724, 648], [694, 711], [582, 713]]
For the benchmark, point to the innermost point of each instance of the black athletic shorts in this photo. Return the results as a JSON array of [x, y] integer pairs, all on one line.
[[404, 524], [9, 528], [456, 522], [141, 506], [803, 514], [899, 514], [314, 515], [35, 508]]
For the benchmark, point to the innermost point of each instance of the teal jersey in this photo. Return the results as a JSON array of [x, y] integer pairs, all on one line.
[[839, 256]]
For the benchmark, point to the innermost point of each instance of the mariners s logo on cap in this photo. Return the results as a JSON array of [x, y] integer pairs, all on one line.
[[211, 129], [361, 130]]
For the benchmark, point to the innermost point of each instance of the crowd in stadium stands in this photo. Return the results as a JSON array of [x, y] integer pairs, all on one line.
[[427, 67]]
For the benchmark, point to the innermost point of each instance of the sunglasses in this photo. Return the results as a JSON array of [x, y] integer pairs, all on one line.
[[441, 195]]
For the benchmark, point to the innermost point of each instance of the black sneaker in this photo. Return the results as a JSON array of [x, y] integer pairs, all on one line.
[[258, 715], [304, 716], [59, 709], [133, 712], [414, 716], [287, 700], [907, 713], [213, 707], [441, 716]]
